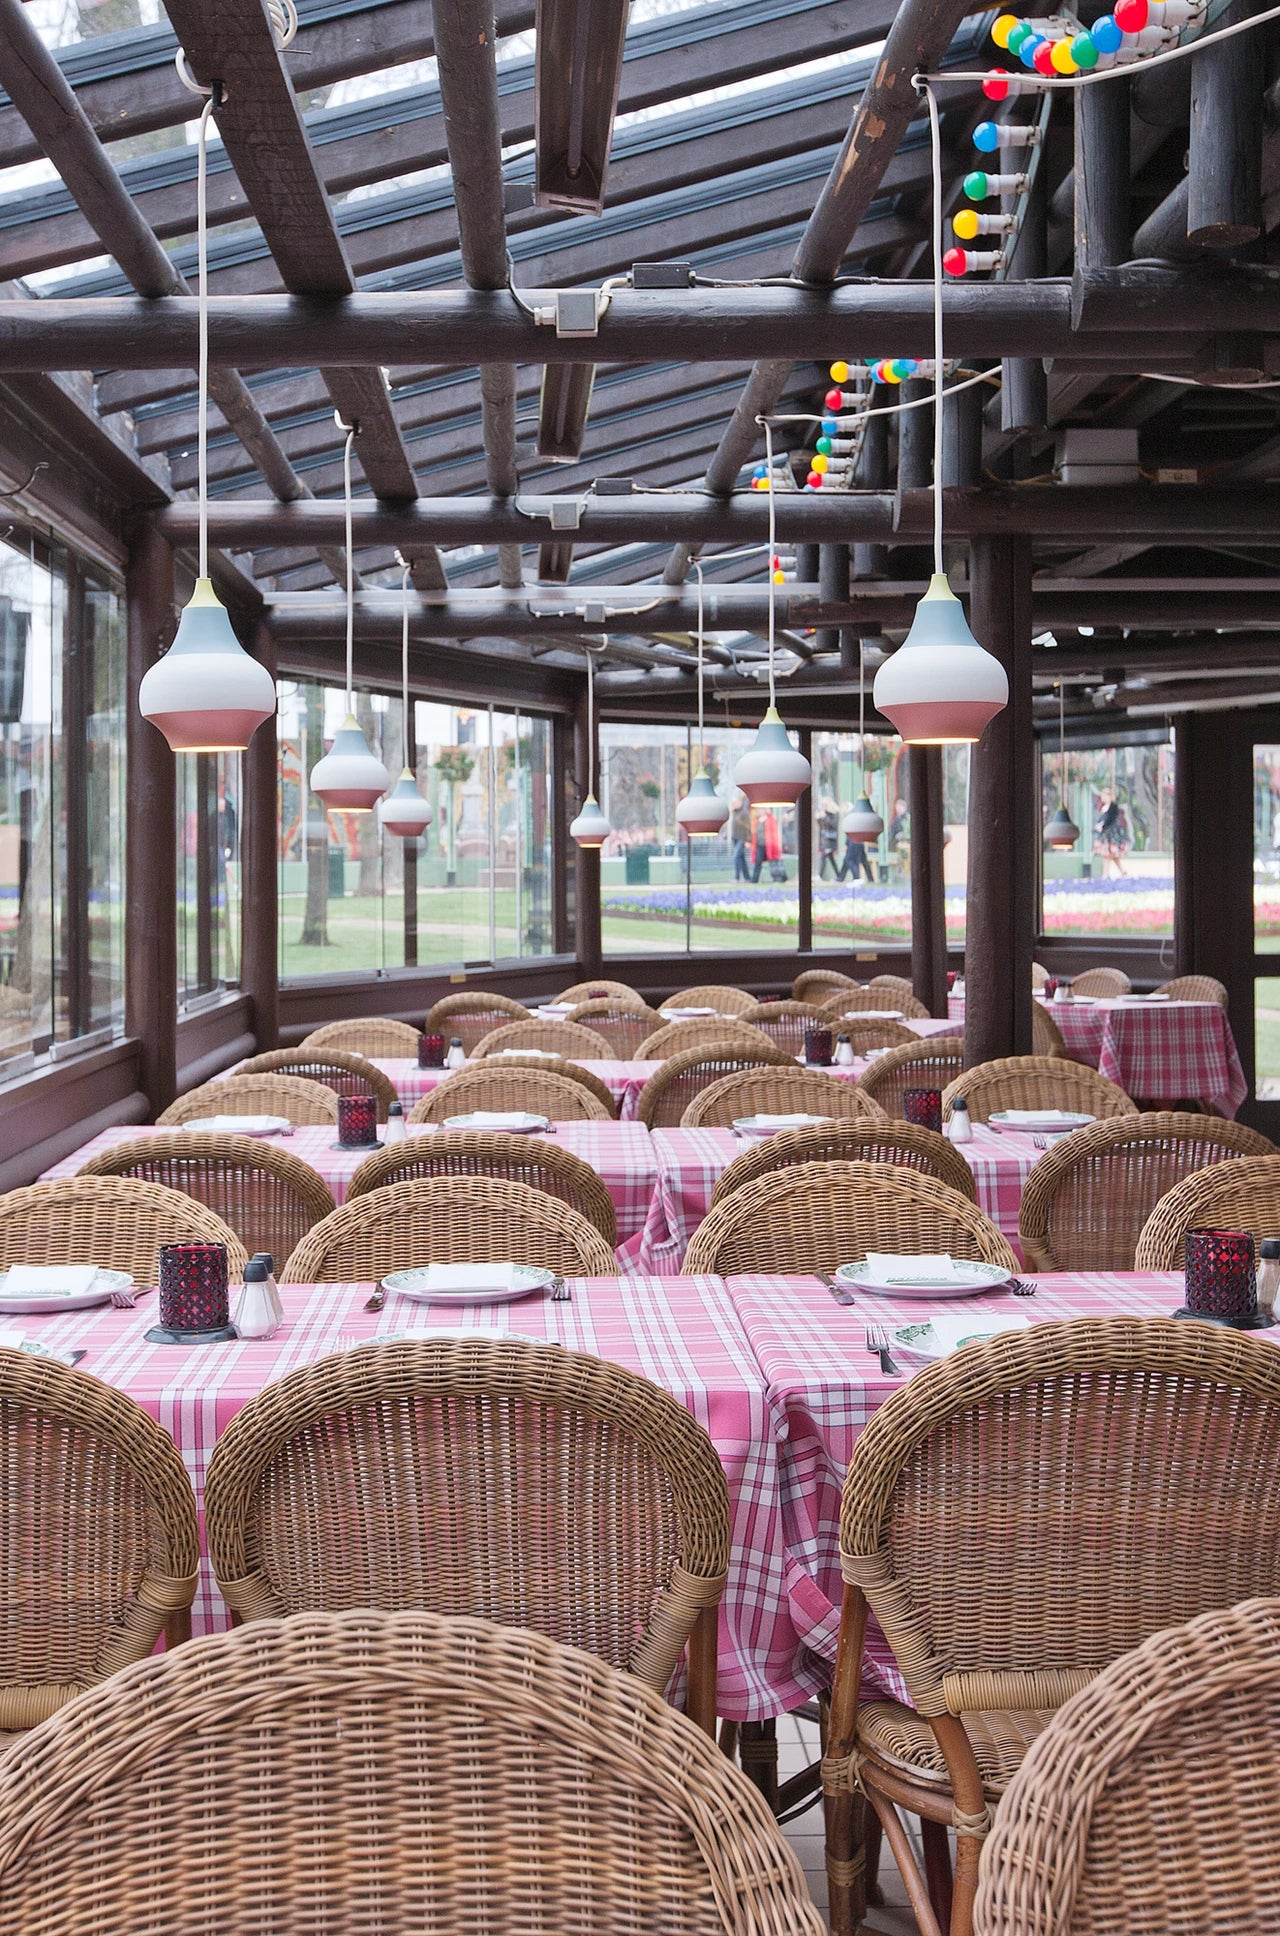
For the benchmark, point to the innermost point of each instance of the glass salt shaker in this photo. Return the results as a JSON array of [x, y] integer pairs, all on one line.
[[393, 1130], [1268, 1274], [255, 1313], [960, 1127], [457, 1054], [844, 1051]]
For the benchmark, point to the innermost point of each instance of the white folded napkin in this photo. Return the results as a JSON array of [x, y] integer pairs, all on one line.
[[234, 1125], [544, 1055], [1039, 1116], [872, 1015], [49, 1280], [800, 1121], [885, 1268], [951, 1333], [470, 1277], [502, 1119]]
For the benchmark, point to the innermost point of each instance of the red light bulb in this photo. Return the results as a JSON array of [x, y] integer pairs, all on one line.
[[814, 481], [834, 400], [955, 262], [996, 85], [1131, 15], [1044, 56]]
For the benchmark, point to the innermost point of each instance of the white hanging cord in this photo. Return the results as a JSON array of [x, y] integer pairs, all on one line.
[[862, 714], [591, 712], [202, 316], [702, 750], [935, 146], [405, 569], [773, 545], [1062, 742], [1032, 82], [352, 431]]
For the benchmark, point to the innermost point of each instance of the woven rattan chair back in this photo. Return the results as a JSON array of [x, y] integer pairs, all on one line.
[[777, 1091], [853, 1001], [1103, 982], [542, 1165], [674, 1084], [367, 1035], [820, 984], [925, 1062], [99, 1536], [449, 1220], [695, 1032], [269, 1196], [1242, 1193], [499, 1084], [1046, 1036], [1086, 1201], [590, 991], [603, 1496], [299, 1101], [786, 1022], [337, 1069], [1194, 988], [1036, 1082], [864, 1036], [817, 1216], [501, 1783], [908, 1146], [116, 1222], [551, 1065], [567, 1039], [713, 994], [472, 1016], [1039, 974], [622, 1025], [893, 984], [1149, 1803]]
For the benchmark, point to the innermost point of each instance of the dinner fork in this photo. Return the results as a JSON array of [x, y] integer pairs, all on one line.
[[558, 1291], [878, 1344], [123, 1300]]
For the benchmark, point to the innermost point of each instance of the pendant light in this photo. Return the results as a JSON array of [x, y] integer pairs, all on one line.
[[589, 827], [773, 773], [350, 777], [1061, 832], [862, 822], [940, 687], [702, 811], [206, 694], [404, 811]]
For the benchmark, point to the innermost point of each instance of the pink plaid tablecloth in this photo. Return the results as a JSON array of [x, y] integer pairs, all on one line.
[[682, 1333], [623, 1080], [823, 1386], [621, 1154], [690, 1162]]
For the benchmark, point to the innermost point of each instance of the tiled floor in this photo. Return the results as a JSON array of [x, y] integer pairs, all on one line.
[[797, 1747]]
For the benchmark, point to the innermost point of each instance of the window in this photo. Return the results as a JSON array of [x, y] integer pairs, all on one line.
[[1118, 878], [62, 689], [477, 886], [207, 787]]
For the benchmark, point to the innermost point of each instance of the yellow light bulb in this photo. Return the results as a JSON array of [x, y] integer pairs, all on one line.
[[965, 224], [840, 372], [1002, 27], [779, 577], [1063, 59], [820, 464]]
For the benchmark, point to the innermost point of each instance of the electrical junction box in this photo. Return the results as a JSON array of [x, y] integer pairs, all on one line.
[[1098, 457]]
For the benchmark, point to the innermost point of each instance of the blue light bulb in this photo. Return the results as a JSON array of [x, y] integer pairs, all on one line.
[[986, 136]]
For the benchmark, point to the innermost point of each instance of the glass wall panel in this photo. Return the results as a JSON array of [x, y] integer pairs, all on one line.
[[1118, 878], [1266, 919], [208, 804]]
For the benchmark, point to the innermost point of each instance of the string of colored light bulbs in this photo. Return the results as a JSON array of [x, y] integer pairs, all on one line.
[[1123, 43]]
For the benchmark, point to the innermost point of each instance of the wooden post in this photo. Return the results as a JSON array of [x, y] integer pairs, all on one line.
[[871, 561], [833, 588], [928, 904], [1224, 156], [151, 872], [1103, 226], [1024, 387], [259, 843], [587, 900], [1004, 815]]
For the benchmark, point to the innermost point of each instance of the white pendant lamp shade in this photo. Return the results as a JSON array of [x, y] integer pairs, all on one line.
[[206, 694], [862, 822], [349, 777], [404, 811], [940, 687], [590, 828], [1061, 832], [773, 773], [702, 811]]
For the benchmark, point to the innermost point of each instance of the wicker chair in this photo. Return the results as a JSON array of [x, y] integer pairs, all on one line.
[[820, 984], [1036, 1082], [1046, 1036], [1148, 1804], [908, 1146], [99, 1532], [894, 985], [115, 1222], [1104, 982], [512, 1085], [925, 1062], [589, 991], [871, 1034], [550, 1065], [480, 1152], [1194, 988], [567, 1039], [337, 1069], [1039, 974], [1242, 1193], [622, 1025], [778, 1091], [367, 1035], [1148, 1492], [269, 1196], [517, 1481], [852, 1001], [472, 1016], [817, 1216], [674, 1084], [698, 1032], [448, 1220], [786, 1022], [713, 994], [449, 1775], [1086, 1201], [300, 1102]]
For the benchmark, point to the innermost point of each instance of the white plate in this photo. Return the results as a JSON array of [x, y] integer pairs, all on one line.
[[412, 1283], [241, 1125], [100, 1293], [975, 1278], [770, 1126], [543, 1055], [689, 1014], [1139, 1001], [517, 1121], [872, 1015], [921, 1343], [1056, 1125]]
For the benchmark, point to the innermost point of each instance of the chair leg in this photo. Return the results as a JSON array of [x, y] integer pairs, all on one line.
[[729, 1739], [908, 1868], [965, 1887], [758, 1748], [871, 1838], [846, 1891], [937, 1867]]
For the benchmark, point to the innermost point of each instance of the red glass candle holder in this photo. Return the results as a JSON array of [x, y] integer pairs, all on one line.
[[1220, 1282], [357, 1122], [953, 977], [818, 1046], [1050, 986], [195, 1305], [431, 1050], [923, 1106]]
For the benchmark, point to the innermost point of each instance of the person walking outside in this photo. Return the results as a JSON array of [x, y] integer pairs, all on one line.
[[828, 839], [740, 834]]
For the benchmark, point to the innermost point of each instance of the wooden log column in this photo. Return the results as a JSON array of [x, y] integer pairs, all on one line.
[[151, 868], [586, 907], [1224, 153], [259, 952], [928, 907], [1004, 814], [1103, 226]]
